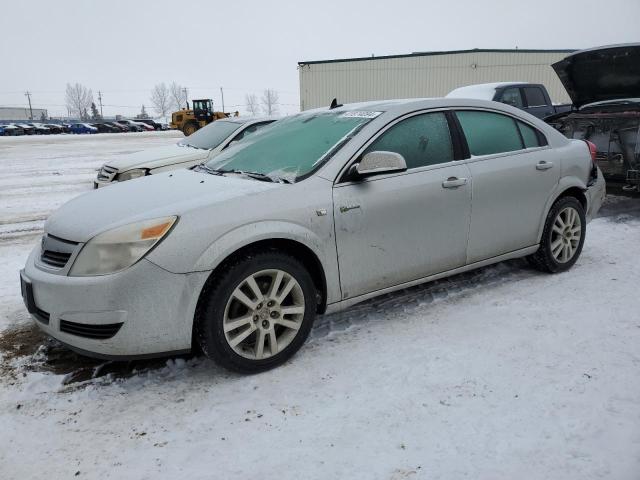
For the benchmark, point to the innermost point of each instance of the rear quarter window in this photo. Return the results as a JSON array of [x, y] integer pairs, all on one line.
[[489, 133], [530, 136]]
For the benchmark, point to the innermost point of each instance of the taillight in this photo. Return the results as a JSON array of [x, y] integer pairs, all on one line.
[[593, 150]]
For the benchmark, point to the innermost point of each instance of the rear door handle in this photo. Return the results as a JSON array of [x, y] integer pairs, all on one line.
[[544, 165], [454, 182]]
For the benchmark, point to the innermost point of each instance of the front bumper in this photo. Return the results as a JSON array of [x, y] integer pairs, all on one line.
[[154, 307]]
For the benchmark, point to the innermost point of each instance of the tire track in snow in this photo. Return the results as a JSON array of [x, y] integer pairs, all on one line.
[[420, 299]]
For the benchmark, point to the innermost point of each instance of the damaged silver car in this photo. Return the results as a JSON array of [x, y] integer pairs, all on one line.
[[317, 212]]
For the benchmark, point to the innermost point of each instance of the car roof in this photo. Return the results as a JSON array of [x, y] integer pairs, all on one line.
[[480, 90], [245, 120], [400, 106]]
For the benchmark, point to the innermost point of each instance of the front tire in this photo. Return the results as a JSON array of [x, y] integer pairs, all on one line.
[[189, 128], [257, 313], [562, 238]]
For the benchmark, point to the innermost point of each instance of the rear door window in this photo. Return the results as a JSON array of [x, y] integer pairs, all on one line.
[[422, 140], [489, 133], [535, 97]]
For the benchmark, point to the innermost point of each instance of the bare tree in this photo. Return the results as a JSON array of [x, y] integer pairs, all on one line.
[[95, 114], [161, 99], [178, 95], [270, 102], [251, 102], [78, 99]]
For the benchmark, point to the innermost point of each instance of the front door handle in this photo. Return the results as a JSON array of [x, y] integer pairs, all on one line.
[[454, 182], [346, 208], [542, 165]]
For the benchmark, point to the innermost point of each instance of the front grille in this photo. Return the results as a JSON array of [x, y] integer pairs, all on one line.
[[55, 259], [107, 173], [98, 332], [56, 251]]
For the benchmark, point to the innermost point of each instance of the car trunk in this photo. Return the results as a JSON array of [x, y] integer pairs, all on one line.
[[612, 75]]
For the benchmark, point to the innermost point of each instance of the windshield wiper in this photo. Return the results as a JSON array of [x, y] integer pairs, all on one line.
[[255, 175], [266, 178], [259, 176], [212, 171], [189, 145]]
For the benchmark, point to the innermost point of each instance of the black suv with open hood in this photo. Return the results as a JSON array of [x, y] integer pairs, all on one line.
[[604, 85]]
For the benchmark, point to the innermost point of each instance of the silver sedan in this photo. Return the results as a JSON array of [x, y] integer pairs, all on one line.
[[310, 215]]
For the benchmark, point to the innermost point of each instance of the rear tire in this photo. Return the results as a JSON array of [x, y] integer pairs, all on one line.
[[256, 313], [562, 238]]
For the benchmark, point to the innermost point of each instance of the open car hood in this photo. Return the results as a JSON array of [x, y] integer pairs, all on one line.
[[600, 74]]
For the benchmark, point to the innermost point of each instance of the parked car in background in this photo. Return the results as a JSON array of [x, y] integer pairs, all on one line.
[[150, 122], [118, 126], [10, 130], [604, 85], [317, 212], [83, 128], [105, 128], [533, 98], [145, 126], [55, 128], [28, 129], [133, 126], [164, 126], [40, 129], [205, 144]]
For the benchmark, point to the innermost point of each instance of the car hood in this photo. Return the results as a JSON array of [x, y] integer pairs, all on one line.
[[158, 157], [600, 74], [154, 196]]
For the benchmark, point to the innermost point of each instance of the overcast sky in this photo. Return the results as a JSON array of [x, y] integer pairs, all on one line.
[[123, 48]]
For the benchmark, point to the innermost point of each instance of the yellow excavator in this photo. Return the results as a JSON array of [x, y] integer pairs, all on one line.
[[189, 120]]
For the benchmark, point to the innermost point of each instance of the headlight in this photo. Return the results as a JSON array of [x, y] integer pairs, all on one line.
[[131, 174], [121, 247]]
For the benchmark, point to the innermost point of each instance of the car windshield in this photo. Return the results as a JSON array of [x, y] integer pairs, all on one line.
[[212, 135], [294, 147]]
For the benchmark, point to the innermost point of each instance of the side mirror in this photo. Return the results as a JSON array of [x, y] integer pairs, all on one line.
[[381, 162]]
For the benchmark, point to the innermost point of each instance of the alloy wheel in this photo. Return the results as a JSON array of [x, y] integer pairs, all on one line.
[[565, 235], [263, 314]]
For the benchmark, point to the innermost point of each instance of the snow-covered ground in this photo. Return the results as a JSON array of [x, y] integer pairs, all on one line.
[[502, 373]]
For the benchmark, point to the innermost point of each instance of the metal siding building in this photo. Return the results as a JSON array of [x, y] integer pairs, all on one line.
[[16, 114], [429, 74]]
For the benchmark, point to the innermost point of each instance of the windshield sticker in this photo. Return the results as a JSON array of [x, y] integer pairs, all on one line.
[[360, 114]]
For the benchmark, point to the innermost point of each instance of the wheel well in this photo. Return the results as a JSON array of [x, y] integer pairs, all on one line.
[[576, 192], [301, 252]]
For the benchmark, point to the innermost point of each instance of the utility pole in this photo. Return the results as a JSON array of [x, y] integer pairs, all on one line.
[[222, 95], [28, 95], [186, 96], [100, 100]]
